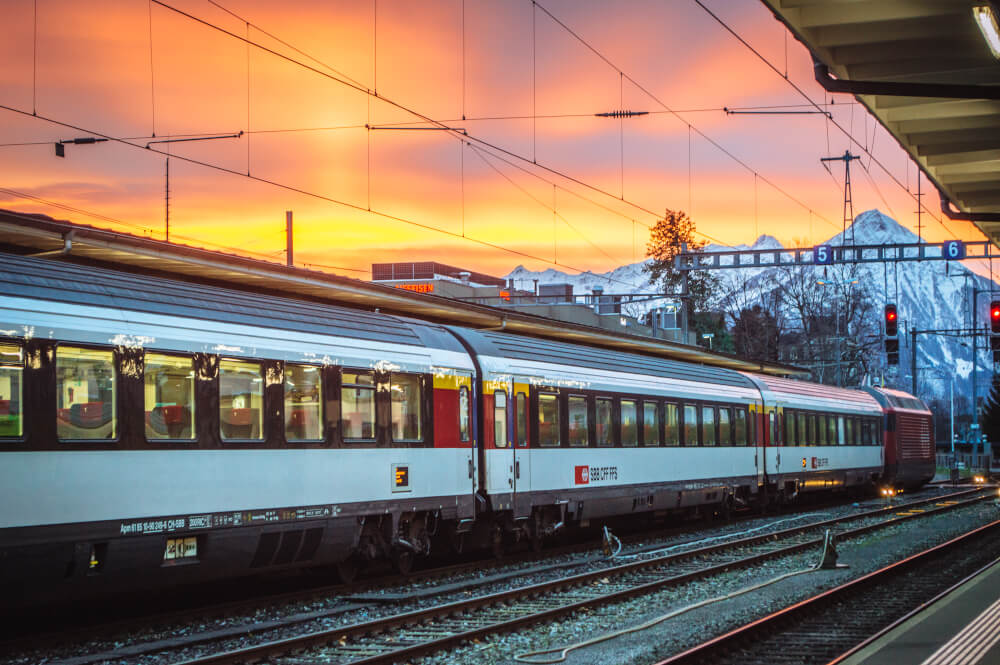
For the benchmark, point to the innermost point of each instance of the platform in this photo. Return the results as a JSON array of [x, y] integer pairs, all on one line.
[[963, 627]]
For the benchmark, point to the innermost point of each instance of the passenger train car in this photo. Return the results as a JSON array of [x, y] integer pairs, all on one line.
[[155, 432]]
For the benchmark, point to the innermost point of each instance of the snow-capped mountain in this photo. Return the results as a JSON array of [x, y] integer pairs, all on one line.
[[930, 295]]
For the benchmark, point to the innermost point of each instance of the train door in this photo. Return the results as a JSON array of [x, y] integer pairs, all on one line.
[[499, 451], [757, 441], [467, 471], [520, 448], [775, 419]]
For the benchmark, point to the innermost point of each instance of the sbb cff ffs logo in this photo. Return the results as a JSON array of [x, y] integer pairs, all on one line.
[[582, 475]]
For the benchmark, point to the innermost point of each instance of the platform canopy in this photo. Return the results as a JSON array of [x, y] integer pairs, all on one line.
[[926, 72]]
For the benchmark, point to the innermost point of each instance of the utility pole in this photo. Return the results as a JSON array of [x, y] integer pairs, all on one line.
[[913, 359], [166, 202], [288, 238], [847, 158], [684, 300]]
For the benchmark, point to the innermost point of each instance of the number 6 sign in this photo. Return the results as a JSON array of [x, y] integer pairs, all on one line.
[[953, 250]]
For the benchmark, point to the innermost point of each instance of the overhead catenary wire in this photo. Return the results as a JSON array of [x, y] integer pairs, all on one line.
[[806, 96], [665, 106], [145, 229], [299, 190], [478, 140], [552, 207]]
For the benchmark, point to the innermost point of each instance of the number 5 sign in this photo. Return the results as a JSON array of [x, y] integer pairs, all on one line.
[[953, 250], [822, 255]]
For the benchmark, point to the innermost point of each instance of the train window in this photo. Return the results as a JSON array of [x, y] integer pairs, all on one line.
[[866, 431], [773, 424], [500, 419], [848, 431], [725, 430], [630, 424], [464, 419], [303, 403], [831, 430], [605, 436], [522, 420], [650, 424], [85, 394], [789, 428], [241, 397], [739, 426], [800, 422], [691, 425], [357, 405], [708, 425], [876, 432], [579, 429], [168, 385], [11, 391], [814, 433], [670, 423], [858, 438], [840, 438], [548, 420], [404, 393]]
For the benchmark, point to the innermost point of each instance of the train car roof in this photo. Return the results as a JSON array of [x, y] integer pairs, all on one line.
[[23, 233], [806, 394], [506, 345], [54, 281], [897, 399]]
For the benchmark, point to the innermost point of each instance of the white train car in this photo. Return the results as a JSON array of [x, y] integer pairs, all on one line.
[[155, 432], [574, 433], [818, 437]]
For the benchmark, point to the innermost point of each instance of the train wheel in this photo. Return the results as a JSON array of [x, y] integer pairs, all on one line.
[[402, 561]]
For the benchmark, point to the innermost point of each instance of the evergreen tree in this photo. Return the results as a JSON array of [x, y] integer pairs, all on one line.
[[667, 237]]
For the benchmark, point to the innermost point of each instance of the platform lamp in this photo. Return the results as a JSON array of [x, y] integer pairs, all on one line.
[[987, 17]]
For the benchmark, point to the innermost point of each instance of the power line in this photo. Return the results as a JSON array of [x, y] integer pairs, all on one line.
[[438, 123], [147, 230], [539, 202], [299, 190], [848, 134], [673, 112]]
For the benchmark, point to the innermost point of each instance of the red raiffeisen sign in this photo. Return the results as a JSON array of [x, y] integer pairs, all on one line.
[[584, 475]]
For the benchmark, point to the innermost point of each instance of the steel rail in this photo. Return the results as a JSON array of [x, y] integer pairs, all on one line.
[[786, 619], [540, 609]]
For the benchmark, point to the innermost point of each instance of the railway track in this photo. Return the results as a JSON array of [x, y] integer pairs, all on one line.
[[361, 594], [410, 634], [831, 625]]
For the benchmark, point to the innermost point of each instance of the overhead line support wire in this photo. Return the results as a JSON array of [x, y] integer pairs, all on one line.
[[294, 189], [428, 119], [801, 92], [479, 153], [673, 112]]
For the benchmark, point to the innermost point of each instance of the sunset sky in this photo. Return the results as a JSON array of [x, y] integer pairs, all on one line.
[[526, 88]]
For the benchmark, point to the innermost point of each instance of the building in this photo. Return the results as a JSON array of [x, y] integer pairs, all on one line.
[[553, 301]]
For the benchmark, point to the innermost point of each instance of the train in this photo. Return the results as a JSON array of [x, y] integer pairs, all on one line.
[[157, 432]]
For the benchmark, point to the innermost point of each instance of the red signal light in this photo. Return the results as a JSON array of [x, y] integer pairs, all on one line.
[[995, 316], [891, 320]]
